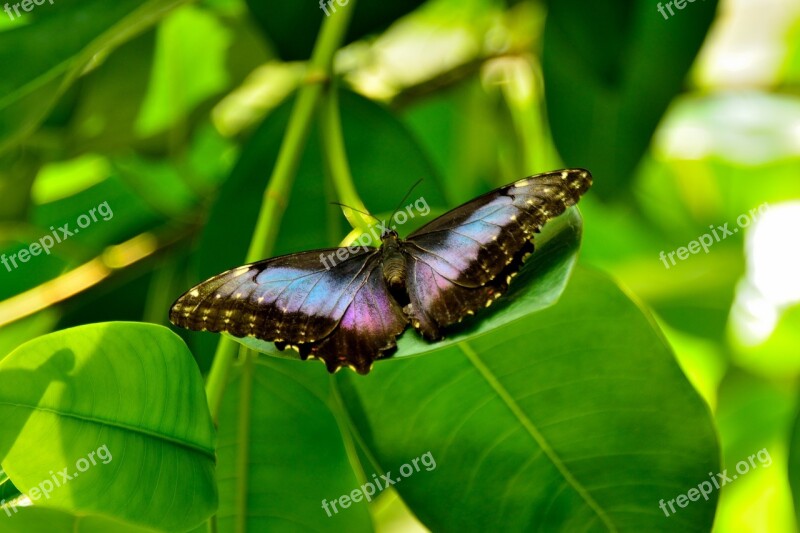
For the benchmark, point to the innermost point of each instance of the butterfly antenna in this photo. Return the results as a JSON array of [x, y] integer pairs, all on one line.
[[356, 210], [404, 199]]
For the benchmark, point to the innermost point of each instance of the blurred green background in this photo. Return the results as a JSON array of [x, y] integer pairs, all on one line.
[[173, 114]]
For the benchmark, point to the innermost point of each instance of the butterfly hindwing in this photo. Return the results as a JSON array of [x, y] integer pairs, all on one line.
[[342, 314], [463, 260], [367, 329]]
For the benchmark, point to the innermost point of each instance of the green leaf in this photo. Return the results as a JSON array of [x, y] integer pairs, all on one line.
[[27, 519], [277, 417], [755, 414], [120, 406], [539, 284], [292, 27], [54, 58], [575, 418], [611, 69], [110, 100], [794, 467], [20, 331], [189, 68], [8, 491], [124, 214]]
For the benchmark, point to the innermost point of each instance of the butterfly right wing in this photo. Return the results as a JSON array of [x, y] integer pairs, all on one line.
[[463, 260], [343, 314]]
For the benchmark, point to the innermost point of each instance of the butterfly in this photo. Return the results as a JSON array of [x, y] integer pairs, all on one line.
[[350, 314]]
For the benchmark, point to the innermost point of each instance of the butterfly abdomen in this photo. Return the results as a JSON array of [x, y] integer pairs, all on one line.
[[393, 262], [394, 269]]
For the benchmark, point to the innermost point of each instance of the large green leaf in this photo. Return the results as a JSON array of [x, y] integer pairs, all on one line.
[[574, 418], [610, 68], [42, 57], [126, 397], [281, 453]]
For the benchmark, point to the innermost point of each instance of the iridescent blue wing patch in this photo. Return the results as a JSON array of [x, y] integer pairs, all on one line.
[[343, 315]]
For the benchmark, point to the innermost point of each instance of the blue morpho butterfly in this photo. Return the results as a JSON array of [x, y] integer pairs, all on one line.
[[351, 314]]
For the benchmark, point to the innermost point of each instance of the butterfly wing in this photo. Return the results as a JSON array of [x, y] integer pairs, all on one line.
[[343, 315], [464, 260]]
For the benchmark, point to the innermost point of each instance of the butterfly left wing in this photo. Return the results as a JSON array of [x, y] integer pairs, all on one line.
[[464, 260], [343, 315]]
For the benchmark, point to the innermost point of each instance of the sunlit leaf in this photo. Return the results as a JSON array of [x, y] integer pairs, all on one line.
[[27, 519], [94, 413]]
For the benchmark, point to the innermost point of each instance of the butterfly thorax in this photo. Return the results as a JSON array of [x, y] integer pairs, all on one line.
[[393, 261]]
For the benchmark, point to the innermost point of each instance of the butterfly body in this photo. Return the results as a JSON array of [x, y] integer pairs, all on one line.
[[393, 261], [351, 314]]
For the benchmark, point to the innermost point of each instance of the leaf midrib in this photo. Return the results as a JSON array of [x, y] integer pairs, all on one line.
[[208, 452], [533, 431]]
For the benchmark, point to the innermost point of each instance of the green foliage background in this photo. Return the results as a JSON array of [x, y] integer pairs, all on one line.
[[220, 131]]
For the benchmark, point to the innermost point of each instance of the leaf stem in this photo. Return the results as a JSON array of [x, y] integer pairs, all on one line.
[[335, 158], [243, 442], [276, 195]]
